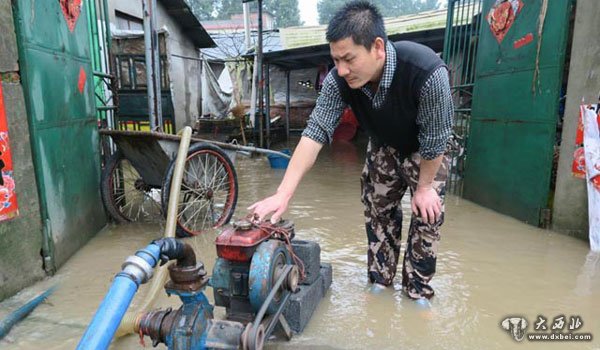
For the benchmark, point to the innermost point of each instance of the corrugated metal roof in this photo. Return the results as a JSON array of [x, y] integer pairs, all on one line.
[[294, 37], [313, 56]]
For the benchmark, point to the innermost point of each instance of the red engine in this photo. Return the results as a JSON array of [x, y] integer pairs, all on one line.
[[239, 242]]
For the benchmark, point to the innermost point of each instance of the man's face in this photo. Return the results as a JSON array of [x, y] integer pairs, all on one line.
[[356, 64]]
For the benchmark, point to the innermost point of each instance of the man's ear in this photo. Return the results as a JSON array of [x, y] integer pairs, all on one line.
[[379, 47]]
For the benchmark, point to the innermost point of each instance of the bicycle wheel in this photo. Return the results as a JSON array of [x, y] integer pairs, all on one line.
[[125, 195], [208, 192]]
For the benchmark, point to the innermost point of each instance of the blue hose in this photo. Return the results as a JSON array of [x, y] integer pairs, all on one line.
[[23, 311], [104, 325]]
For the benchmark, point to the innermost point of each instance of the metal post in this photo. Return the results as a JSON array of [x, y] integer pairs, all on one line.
[[268, 103], [108, 63], [246, 6], [468, 42], [148, 52], [447, 34], [106, 24], [287, 105], [248, 42], [477, 27], [253, 122], [259, 62], [460, 44], [156, 77]]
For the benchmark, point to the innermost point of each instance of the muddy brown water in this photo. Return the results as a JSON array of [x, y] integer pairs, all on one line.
[[490, 267]]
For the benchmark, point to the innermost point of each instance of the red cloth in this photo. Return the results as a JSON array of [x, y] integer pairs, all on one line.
[[346, 130], [9, 208], [578, 166]]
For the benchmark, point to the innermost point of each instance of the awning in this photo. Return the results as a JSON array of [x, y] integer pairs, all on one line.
[[181, 12]]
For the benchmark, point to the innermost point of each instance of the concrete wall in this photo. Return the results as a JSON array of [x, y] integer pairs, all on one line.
[[184, 73], [570, 213], [20, 238]]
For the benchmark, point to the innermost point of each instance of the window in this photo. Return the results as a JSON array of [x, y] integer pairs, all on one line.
[[128, 22]]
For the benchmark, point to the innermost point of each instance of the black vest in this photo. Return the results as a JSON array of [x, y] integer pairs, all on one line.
[[395, 122]]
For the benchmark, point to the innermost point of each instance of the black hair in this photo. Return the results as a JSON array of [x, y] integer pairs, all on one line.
[[360, 20]]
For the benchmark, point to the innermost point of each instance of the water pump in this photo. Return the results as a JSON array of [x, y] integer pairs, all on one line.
[[253, 278]]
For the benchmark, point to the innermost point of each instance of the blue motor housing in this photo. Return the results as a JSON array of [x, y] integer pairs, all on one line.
[[243, 287]]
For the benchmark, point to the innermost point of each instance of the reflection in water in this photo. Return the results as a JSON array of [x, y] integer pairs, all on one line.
[[585, 279], [489, 267]]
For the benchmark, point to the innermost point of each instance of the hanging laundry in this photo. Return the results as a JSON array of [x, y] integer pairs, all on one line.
[[591, 142], [578, 167]]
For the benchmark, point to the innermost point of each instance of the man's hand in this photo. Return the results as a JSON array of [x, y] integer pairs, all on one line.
[[303, 159], [276, 204], [427, 204]]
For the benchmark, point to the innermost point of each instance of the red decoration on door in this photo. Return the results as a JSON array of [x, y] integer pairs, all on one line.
[[523, 41], [9, 208], [502, 16], [82, 79], [71, 10]]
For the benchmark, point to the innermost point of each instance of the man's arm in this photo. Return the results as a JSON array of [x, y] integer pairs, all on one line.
[[303, 159], [318, 132], [435, 127]]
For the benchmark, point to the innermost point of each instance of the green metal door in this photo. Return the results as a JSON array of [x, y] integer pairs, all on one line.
[[55, 66], [460, 49], [515, 105]]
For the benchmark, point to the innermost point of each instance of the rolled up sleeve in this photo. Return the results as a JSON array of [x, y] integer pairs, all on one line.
[[325, 117], [435, 115]]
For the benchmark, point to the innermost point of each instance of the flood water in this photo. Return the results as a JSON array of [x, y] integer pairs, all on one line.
[[489, 267]]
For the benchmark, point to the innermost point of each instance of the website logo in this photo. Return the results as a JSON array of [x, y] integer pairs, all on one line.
[[561, 328], [515, 326]]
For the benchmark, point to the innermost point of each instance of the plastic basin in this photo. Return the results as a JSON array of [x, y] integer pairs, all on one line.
[[278, 162]]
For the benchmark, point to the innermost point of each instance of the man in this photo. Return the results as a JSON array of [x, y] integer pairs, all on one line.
[[401, 96]]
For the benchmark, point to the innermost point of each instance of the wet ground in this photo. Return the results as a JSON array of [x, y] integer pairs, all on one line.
[[490, 267]]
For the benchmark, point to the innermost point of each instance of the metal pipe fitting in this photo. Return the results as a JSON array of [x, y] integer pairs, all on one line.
[[156, 324], [138, 269], [171, 248], [187, 278]]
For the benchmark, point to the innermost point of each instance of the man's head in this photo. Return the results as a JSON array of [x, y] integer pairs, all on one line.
[[356, 36]]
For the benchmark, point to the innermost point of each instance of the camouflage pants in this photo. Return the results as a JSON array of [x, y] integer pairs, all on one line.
[[385, 179]]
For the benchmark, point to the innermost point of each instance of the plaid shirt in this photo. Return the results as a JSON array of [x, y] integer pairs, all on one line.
[[434, 117]]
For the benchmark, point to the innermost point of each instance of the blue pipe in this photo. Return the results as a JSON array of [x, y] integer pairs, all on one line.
[[23, 311], [104, 325]]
